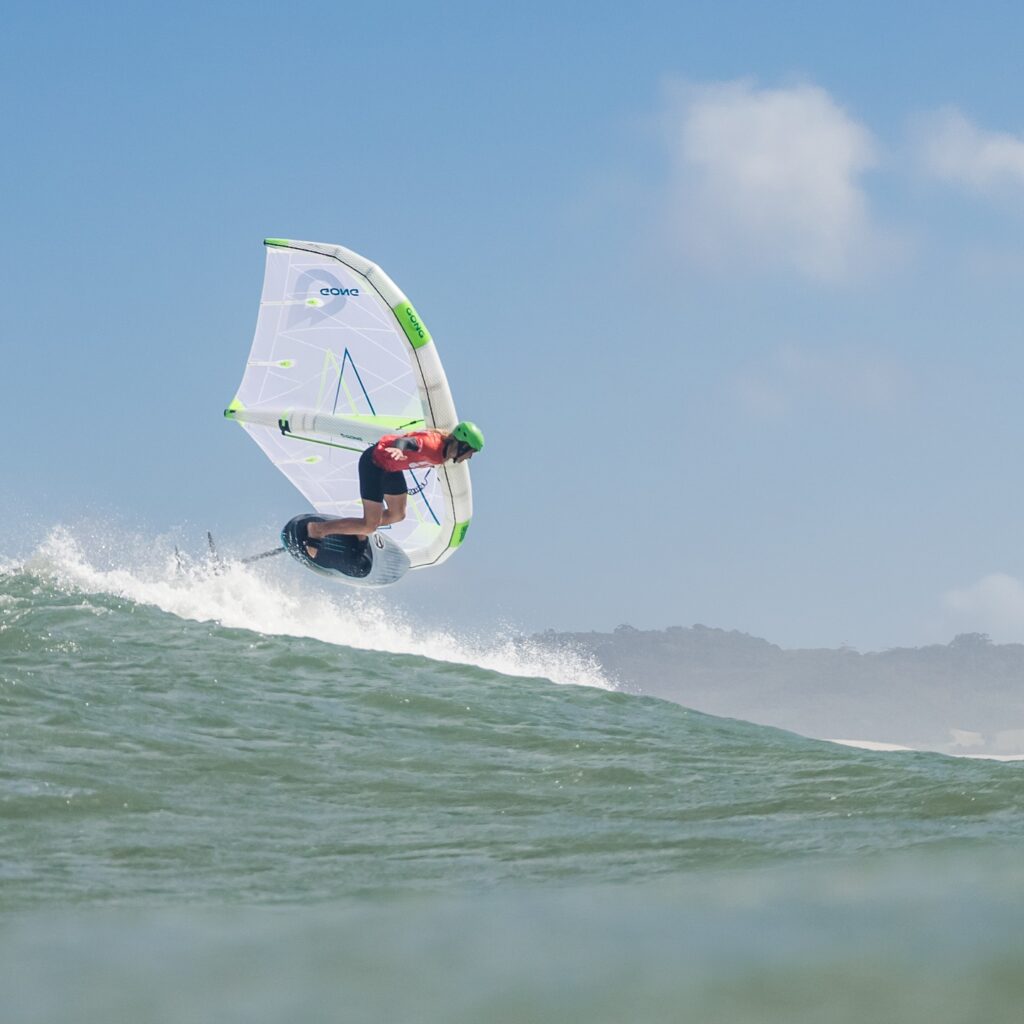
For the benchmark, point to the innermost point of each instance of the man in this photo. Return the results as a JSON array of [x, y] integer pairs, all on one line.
[[382, 483]]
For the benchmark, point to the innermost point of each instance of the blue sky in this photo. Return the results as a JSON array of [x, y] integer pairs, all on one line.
[[731, 287]]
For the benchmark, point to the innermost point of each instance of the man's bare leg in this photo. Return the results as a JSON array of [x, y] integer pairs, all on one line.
[[372, 517], [395, 511], [375, 515]]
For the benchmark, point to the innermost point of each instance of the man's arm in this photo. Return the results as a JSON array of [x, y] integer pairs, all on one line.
[[401, 445]]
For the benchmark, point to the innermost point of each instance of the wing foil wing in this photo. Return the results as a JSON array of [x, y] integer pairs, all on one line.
[[339, 359]]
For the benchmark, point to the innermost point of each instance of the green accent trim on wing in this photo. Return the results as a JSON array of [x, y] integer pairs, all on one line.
[[413, 326], [230, 411], [459, 534], [281, 242], [326, 444], [389, 422]]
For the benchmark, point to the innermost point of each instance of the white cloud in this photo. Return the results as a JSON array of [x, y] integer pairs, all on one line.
[[955, 150], [848, 378], [770, 177], [995, 605]]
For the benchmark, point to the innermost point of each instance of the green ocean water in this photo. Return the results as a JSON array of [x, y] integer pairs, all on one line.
[[215, 805]]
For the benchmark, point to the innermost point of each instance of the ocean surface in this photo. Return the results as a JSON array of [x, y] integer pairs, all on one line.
[[238, 795]]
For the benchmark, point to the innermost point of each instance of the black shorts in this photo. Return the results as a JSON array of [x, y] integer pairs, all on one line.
[[375, 482]]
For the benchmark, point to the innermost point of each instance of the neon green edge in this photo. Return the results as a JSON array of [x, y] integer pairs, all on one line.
[[276, 241], [390, 422], [413, 326], [459, 534], [230, 411]]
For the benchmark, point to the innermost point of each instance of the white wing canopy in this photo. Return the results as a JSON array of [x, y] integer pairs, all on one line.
[[340, 358]]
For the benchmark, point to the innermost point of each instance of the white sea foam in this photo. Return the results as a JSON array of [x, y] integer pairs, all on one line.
[[889, 747], [282, 600], [869, 745]]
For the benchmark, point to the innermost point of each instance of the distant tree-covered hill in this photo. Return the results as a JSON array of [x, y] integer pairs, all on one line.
[[966, 696]]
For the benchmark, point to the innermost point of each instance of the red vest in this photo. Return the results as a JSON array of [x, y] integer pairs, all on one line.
[[430, 453]]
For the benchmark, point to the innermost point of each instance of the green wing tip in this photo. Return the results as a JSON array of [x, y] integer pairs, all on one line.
[[459, 534], [276, 241], [230, 411]]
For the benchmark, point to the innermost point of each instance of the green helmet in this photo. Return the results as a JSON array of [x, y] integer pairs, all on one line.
[[469, 433]]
